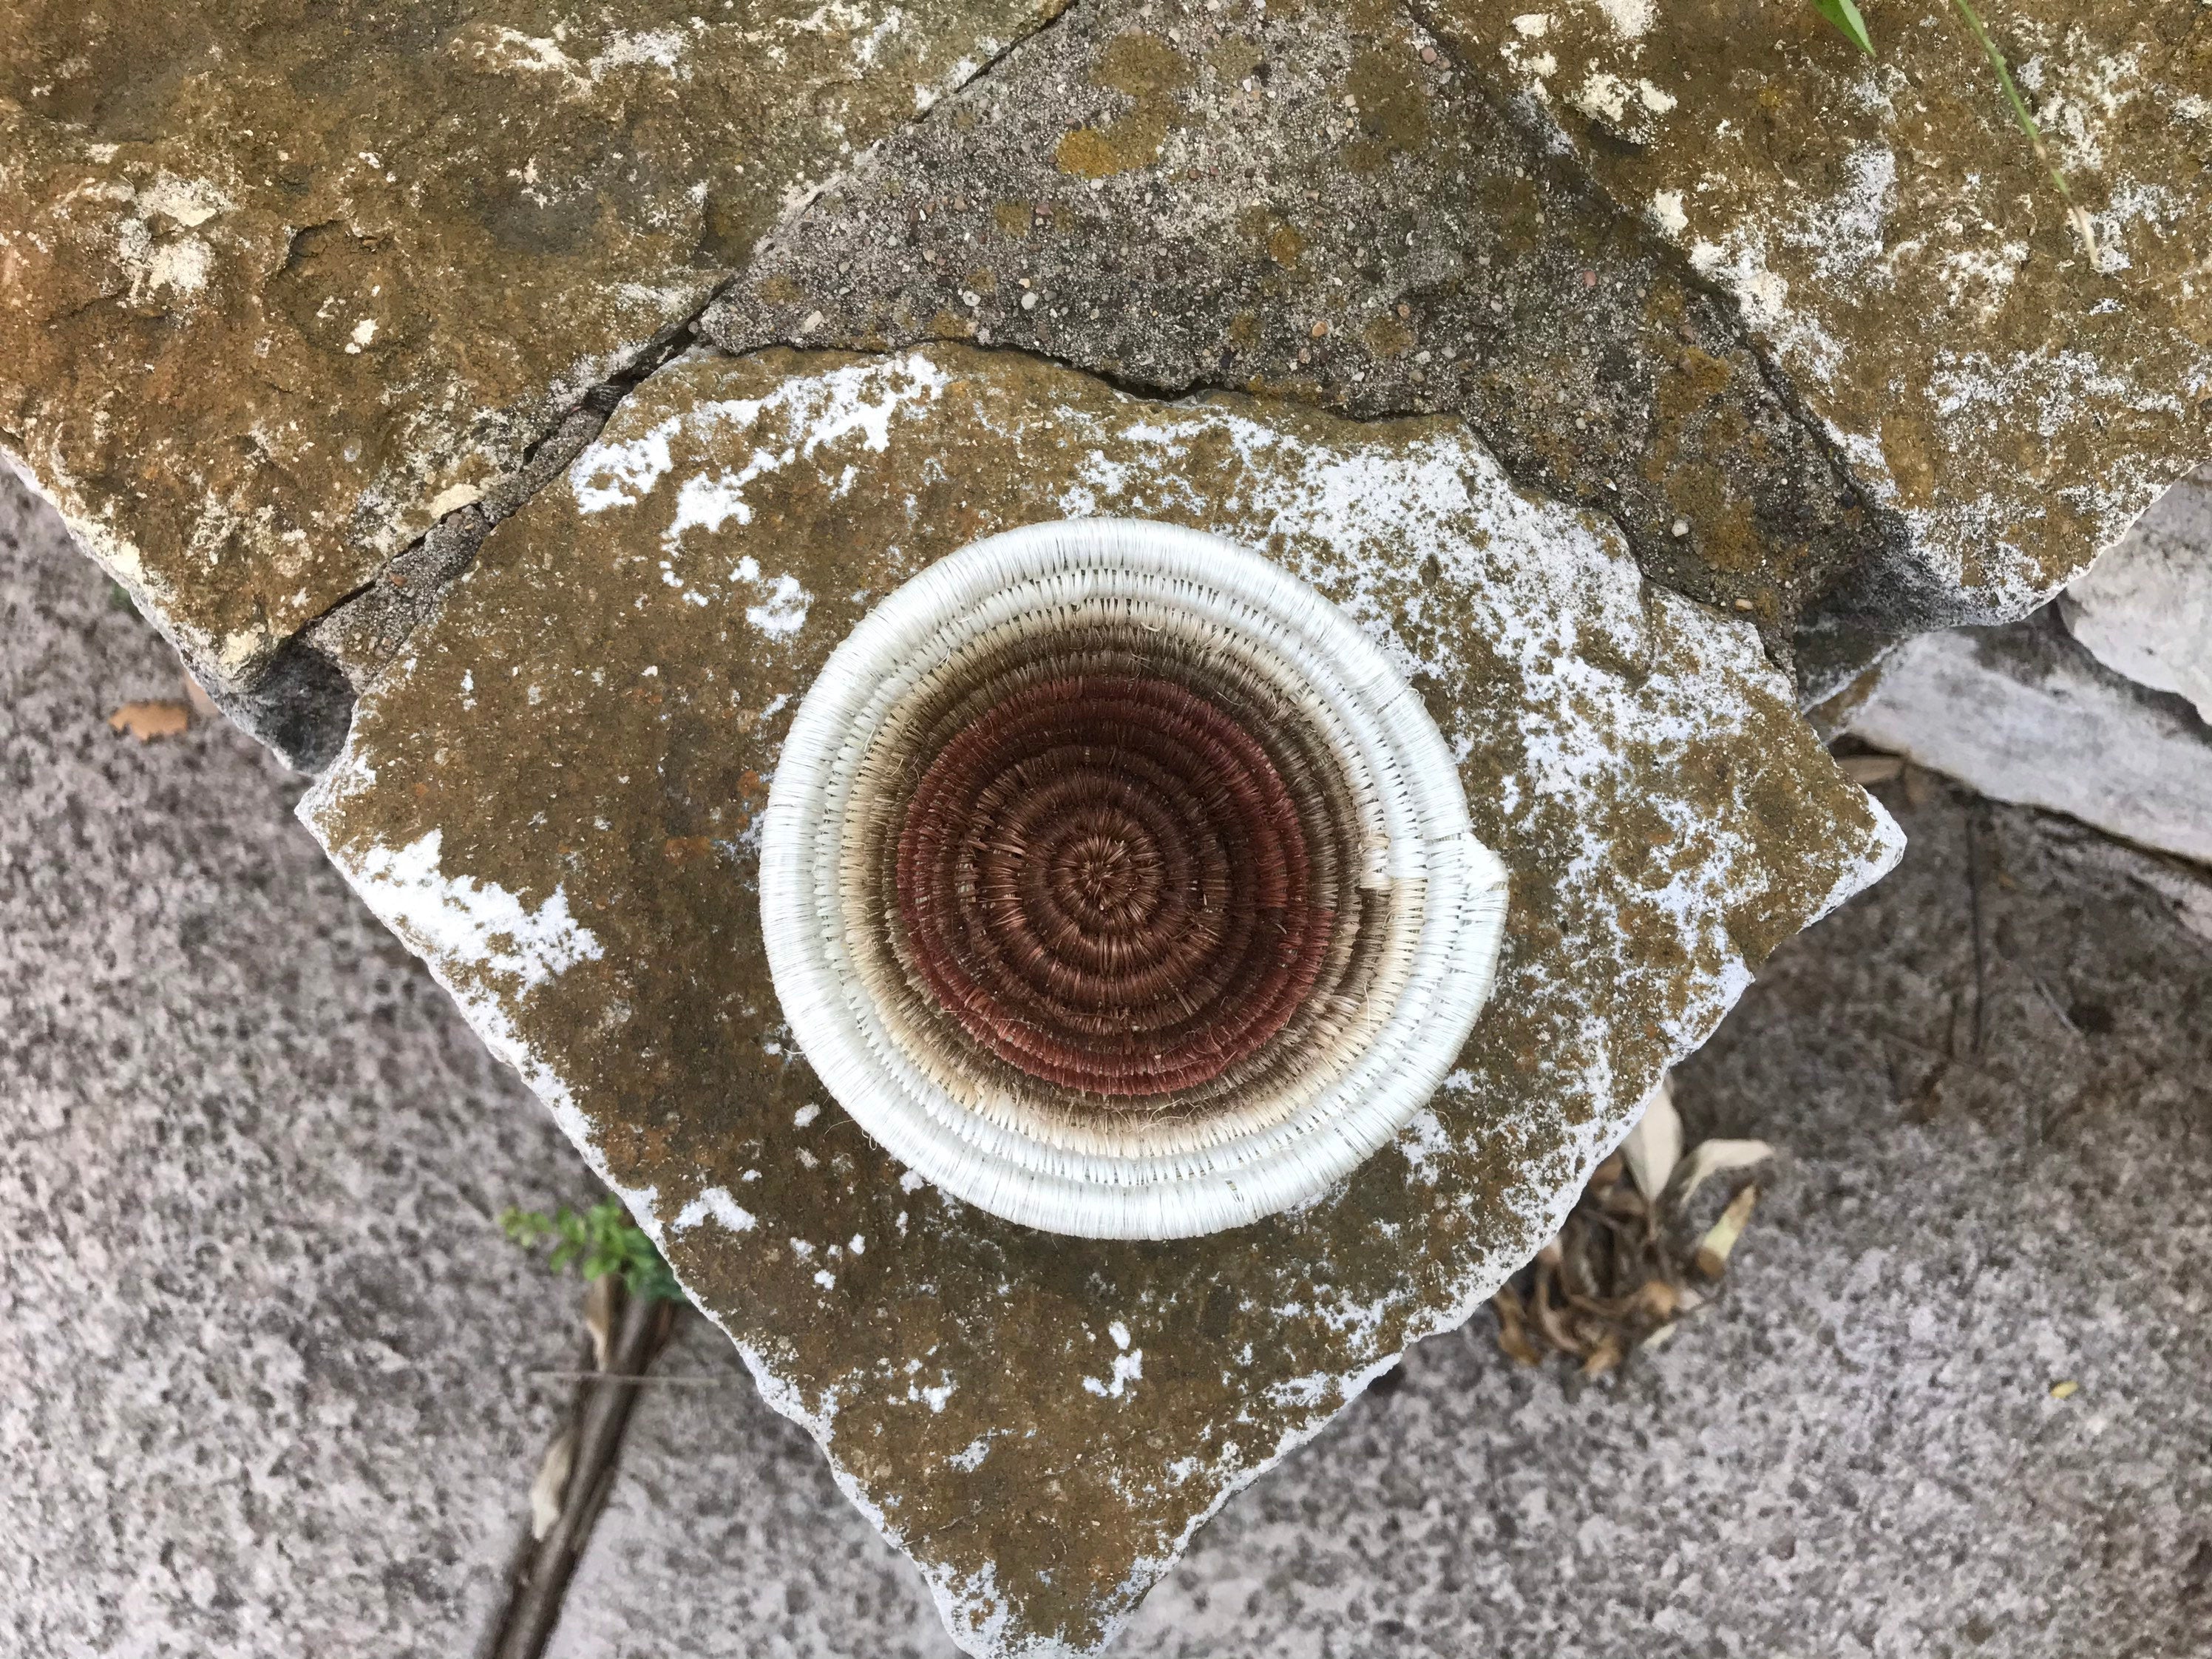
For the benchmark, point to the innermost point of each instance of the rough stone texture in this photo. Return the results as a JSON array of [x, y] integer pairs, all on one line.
[[1854, 1453], [1896, 247], [288, 282], [300, 284], [1298, 201], [2144, 610], [265, 1363], [2024, 714], [554, 799]]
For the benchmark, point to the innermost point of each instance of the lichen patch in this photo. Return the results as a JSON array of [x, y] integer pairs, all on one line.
[[274, 293]]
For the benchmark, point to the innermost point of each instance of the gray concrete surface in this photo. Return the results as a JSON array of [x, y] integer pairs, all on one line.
[[724, 1533], [263, 1356], [263, 1382], [1855, 1453]]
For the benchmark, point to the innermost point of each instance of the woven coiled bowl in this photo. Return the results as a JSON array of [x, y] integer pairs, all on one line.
[[1117, 883]]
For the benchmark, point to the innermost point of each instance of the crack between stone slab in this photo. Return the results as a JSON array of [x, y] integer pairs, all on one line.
[[1891, 536], [302, 706], [449, 549], [2041, 641], [1165, 393], [1521, 477], [453, 540], [605, 396], [860, 158], [364, 630], [1157, 389], [983, 72], [1889, 532], [1170, 392], [1653, 554]]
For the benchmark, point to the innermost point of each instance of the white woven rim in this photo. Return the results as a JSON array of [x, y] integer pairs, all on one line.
[[1134, 1179]]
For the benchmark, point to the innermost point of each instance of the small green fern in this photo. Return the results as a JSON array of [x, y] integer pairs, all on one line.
[[601, 1240]]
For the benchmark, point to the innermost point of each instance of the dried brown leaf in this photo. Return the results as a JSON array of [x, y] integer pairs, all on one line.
[[1551, 1321], [600, 1301], [1605, 1354], [1863, 770], [1711, 1157], [1653, 1147], [1576, 1277], [148, 720], [552, 1485], [1713, 1251], [1624, 1203], [1585, 1304], [1513, 1328]]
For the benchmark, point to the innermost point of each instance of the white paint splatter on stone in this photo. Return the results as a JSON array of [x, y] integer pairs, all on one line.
[[714, 1204], [460, 920]]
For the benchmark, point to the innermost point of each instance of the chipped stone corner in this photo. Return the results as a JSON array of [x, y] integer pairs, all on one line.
[[285, 692]]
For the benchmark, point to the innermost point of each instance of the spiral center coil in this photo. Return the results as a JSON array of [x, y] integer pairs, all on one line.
[[1105, 881]]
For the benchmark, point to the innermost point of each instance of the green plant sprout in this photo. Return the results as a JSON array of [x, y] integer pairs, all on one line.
[[600, 1241], [1849, 24], [2026, 117], [1845, 15]]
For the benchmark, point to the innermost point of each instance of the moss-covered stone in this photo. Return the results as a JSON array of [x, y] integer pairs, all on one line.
[[1900, 251], [1316, 203], [284, 282], [556, 799]]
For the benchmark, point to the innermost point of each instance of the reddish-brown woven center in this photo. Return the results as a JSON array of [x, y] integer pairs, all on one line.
[[1104, 880]]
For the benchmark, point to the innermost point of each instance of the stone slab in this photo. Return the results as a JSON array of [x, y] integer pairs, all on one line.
[[288, 282], [2144, 610], [1314, 203], [554, 799], [265, 1361], [1898, 248], [2025, 713], [1854, 1452]]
